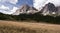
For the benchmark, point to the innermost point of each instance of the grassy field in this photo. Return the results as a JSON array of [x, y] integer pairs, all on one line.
[[27, 27]]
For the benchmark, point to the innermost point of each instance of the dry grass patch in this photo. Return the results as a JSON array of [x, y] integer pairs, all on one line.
[[24, 27]]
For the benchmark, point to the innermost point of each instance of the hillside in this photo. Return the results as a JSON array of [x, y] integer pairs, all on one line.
[[32, 17], [26, 13]]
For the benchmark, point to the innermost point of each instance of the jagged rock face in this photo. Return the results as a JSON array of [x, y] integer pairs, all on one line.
[[58, 12], [50, 9], [25, 9]]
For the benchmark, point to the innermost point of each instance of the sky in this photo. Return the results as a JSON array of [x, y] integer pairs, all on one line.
[[41, 3], [10, 6], [21, 2]]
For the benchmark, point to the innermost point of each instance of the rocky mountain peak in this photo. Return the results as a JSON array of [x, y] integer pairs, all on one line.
[[25, 9]]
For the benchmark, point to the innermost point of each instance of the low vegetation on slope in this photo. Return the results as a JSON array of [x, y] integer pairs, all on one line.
[[35, 17]]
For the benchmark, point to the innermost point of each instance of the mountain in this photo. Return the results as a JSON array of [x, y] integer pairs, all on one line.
[[26, 12], [50, 9], [25, 9]]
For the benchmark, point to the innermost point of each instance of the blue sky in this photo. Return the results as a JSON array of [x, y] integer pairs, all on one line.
[[12, 5], [21, 2]]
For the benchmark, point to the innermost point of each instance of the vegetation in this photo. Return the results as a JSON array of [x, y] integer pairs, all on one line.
[[15, 27], [7, 29], [35, 17]]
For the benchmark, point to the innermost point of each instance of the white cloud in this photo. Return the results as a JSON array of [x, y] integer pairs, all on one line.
[[38, 4], [0, 0], [14, 10], [11, 1], [55, 2], [7, 10], [4, 7]]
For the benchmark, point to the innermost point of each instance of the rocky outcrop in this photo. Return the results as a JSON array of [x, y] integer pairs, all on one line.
[[25, 9], [50, 9]]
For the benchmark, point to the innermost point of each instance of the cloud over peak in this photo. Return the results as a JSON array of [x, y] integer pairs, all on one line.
[[38, 4]]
